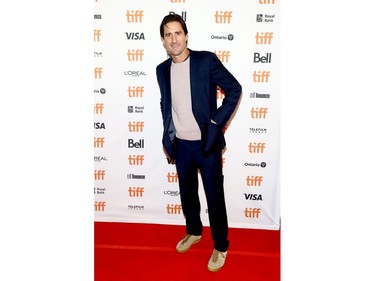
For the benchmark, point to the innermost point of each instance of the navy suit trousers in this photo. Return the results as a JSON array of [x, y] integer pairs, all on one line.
[[190, 160]]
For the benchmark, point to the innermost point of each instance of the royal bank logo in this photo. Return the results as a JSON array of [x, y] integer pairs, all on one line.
[[99, 190], [265, 18], [135, 109]]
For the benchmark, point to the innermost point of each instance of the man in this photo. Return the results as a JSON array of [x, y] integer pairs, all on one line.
[[193, 131]]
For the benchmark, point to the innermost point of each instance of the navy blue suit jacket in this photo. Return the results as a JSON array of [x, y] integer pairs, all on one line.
[[206, 73]]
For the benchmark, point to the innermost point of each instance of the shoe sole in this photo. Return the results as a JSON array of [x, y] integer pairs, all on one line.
[[214, 269], [183, 251]]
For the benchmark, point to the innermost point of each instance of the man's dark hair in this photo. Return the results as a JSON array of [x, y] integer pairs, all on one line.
[[170, 18]]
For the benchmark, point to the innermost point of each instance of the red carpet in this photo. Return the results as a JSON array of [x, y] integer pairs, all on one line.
[[132, 251]]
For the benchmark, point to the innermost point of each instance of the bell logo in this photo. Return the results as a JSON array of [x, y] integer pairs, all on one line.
[[97, 34], [174, 209], [99, 142], [135, 91], [99, 206], [252, 212], [98, 72], [262, 59], [98, 108], [136, 160], [259, 113], [172, 177], [135, 126], [263, 38], [223, 55], [257, 147], [135, 55], [136, 191], [134, 16], [223, 17], [99, 175], [254, 180]]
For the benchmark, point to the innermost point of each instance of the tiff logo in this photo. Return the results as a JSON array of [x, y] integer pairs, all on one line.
[[99, 206], [99, 142], [220, 94], [252, 212], [172, 177], [261, 76], [134, 16], [135, 91], [135, 55], [259, 113], [99, 175], [97, 34], [254, 180], [174, 209], [223, 55], [136, 191], [136, 126], [136, 160], [266, 2], [98, 72], [223, 17], [98, 108], [263, 38], [257, 147]]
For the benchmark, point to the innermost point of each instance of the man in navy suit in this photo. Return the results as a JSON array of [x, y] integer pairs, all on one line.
[[193, 137]]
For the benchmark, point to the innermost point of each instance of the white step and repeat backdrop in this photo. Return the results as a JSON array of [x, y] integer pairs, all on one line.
[[133, 181]]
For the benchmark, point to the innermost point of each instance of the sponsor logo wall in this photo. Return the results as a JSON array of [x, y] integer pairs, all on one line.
[[133, 182]]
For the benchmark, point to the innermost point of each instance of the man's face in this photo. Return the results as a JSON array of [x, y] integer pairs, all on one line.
[[175, 40]]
